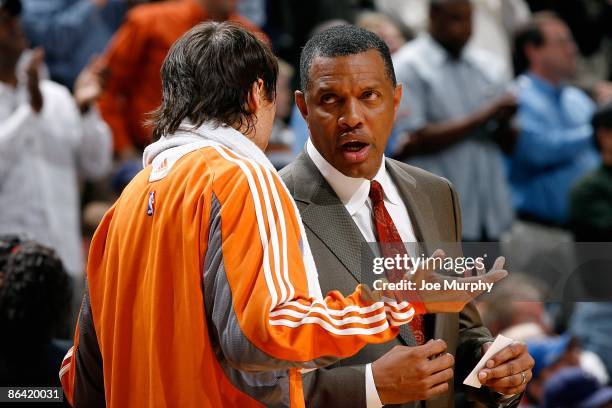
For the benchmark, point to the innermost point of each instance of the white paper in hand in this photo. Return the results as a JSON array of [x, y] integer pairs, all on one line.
[[500, 343]]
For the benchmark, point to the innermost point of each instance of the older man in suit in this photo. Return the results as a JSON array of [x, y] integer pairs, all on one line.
[[348, 195]]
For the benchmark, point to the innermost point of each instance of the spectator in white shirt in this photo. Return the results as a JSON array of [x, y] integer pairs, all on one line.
[[494, 22], [48, 139]]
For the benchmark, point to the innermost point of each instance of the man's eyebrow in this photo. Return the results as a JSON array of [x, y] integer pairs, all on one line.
[[329, 86], [325, 88], [322, 86]]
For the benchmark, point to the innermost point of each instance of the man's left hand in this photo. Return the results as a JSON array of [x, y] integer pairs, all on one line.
[[508, 371]]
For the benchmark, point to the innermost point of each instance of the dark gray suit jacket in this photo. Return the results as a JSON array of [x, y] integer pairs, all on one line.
[[338, 248]]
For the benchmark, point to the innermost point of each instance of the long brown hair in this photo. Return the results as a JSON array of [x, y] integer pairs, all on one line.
[[208, 74]]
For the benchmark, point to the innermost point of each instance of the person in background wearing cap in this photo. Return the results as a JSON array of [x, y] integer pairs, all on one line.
[[572, 387], [551, 354], [48, 140]]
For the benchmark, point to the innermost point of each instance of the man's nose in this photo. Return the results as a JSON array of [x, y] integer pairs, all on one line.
[[352, 115]]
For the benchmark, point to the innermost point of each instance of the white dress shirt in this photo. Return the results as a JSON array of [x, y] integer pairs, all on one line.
[[353, 192], [41, 158]]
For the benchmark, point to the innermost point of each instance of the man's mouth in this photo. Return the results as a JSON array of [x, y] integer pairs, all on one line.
[[355, 151]]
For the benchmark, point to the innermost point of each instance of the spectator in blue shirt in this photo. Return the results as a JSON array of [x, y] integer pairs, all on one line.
[[71, 31], [555, 146]]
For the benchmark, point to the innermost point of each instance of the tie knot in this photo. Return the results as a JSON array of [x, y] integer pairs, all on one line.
[[376, 192]]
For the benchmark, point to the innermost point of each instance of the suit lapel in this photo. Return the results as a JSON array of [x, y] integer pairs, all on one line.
[[327, 218], [423, 219]]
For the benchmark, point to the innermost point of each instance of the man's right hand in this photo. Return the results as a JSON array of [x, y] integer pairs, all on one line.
[[406, 374], [32, 71]]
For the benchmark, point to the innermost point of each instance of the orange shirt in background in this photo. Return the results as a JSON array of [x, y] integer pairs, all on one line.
[[134, 58]]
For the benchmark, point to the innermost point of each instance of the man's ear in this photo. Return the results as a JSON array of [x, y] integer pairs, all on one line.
[[254, 99], [300, 101], [397, 98]]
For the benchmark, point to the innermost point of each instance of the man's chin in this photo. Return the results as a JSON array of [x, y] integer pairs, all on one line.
[[364, 170]]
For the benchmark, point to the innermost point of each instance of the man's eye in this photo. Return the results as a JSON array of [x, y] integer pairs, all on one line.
[[329, 98], [369, 95]]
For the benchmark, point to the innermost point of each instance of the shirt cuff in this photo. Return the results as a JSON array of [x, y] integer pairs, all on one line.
[[507, 400], [372, 398], [504, 397]]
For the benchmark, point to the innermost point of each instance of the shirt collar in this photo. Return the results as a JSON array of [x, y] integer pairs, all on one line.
[[544, 85], [353, 192]]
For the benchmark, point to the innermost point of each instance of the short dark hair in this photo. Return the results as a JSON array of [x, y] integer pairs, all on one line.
[[529, 34], [208, 74], [340, 41], [35, 291]]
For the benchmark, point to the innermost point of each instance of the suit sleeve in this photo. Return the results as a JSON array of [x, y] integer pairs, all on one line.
[[472, 336], [268, 309], [333, 387]]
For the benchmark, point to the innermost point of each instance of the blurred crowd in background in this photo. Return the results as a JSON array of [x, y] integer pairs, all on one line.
[[510, 100]]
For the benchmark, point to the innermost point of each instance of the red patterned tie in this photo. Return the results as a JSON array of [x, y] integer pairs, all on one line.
[[390, 243]]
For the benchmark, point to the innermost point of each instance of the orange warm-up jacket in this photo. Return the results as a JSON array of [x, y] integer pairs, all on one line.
[[200, 294]]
